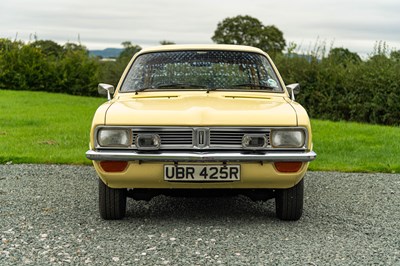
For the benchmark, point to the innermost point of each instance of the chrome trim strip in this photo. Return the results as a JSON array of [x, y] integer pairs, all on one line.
[[121, 155]]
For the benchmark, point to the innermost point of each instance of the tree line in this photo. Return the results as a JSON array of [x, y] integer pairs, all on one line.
[[341, 86], [44, 65], [336, 84]]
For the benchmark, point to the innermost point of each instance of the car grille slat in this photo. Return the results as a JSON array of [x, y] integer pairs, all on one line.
[[176, 138]]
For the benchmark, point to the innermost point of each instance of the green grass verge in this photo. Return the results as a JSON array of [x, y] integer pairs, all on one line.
[[39, 127], [355, 147]]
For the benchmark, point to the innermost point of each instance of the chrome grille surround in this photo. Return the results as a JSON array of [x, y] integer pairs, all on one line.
[[200, 138]]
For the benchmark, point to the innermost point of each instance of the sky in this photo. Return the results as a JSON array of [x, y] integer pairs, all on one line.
[[353, 24]]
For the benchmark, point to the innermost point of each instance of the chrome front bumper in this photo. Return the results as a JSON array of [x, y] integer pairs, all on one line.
[[286, 156]]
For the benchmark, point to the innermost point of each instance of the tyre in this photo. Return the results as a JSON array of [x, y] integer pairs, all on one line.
[[112, 202], [289, 202]]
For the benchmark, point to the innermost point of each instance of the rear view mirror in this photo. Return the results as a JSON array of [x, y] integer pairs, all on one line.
[[293, 90], [106, 89]]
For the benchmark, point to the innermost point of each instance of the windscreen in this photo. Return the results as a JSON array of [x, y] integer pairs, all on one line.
[[201, 70]]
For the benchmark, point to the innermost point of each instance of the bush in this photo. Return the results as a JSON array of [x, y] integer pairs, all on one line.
[[343, 87], [46, 66], [79, 74], [24, 67]]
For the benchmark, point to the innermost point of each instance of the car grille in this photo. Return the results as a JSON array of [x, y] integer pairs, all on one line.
[[169, 137], [231, 138], [201, 138]]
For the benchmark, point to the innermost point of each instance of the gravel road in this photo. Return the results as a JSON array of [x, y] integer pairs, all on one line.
[[49, 216]]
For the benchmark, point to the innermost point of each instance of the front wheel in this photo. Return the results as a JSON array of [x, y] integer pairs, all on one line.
[[289, 202], [112, 202]]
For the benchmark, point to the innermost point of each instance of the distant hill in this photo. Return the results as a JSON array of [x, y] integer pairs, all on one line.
[[106, 53]]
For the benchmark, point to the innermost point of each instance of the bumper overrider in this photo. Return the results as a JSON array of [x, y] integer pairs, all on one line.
[[276, 156]]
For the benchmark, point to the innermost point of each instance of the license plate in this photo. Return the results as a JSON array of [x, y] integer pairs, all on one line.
[[202, 173]]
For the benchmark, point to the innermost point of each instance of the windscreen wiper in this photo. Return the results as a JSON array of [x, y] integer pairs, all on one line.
[[143, 89], [178, 85], [254, 86], [170, 85]]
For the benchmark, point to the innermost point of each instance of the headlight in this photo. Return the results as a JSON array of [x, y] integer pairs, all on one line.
[[148, 142], [287, 138], [114, 137]]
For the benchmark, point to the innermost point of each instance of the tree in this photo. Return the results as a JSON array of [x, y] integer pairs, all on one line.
[[343, 56], [78, 73], [24, 67], [48, 47], [110, 72], [70, 46], [129, 50], [165, 42], [246, 30], [395, 55]]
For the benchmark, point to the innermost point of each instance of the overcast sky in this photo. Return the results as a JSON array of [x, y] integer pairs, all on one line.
[[353, 24]]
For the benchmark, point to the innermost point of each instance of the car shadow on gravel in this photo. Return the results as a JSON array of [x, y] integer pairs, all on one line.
[[199, 209]]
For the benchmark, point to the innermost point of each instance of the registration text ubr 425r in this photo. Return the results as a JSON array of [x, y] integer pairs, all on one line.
[[201, 172]]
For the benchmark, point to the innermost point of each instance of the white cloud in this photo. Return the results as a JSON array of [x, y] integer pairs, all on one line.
[[356, 24]]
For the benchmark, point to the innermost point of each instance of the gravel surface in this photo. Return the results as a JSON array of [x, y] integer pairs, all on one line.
[[49, 216]]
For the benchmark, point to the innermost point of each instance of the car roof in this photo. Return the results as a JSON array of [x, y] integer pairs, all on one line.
[[180, 47]]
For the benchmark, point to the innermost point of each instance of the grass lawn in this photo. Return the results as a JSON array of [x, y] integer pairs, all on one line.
[[39, 127], [355, 147]]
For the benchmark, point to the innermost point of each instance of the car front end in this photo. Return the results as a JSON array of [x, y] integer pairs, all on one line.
[[198, 134]]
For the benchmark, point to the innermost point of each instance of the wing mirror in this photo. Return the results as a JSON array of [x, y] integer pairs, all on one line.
[[106, 89], [293, 90]]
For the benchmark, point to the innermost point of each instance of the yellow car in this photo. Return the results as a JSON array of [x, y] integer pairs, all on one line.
[[190, 120]]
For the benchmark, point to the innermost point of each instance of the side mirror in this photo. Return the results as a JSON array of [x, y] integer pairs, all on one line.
[[106, 89], [293, 90]]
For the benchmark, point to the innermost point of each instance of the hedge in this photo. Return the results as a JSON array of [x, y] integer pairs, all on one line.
[[339, 86]]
